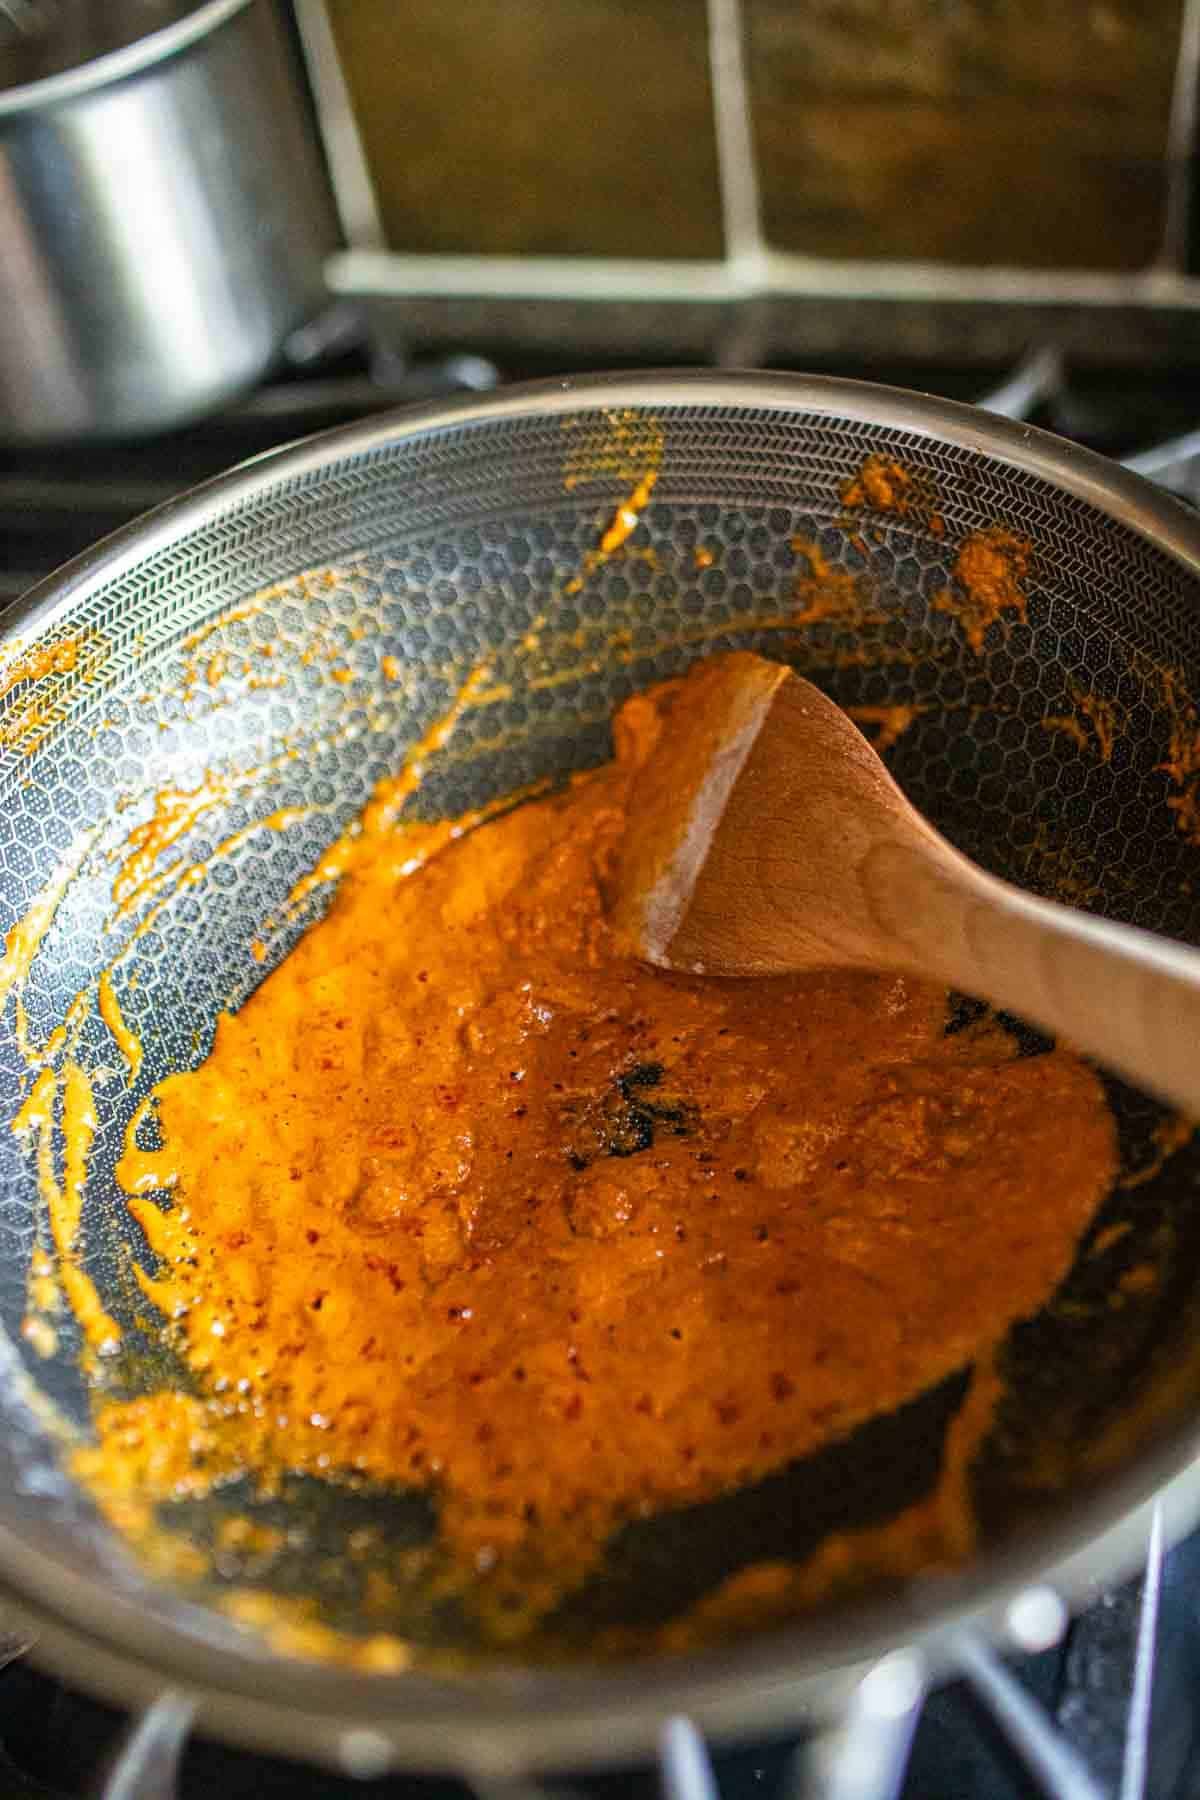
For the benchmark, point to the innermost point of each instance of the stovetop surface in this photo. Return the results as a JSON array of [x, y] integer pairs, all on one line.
[[57, 1744]]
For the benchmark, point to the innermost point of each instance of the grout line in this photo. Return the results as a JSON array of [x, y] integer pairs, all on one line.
[[422, 275], [1181, 142], [737, 164], [353, 188]]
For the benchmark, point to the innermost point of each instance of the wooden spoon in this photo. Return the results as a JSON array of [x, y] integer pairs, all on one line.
[[766, 837]]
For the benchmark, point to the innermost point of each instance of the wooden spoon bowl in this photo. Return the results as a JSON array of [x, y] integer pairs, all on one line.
[[769, 837]]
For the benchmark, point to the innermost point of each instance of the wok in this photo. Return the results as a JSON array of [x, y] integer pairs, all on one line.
[[377, 565]]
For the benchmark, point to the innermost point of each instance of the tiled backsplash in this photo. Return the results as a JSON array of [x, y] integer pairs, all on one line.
[[980, 132], [544, 127], [1022, 132]]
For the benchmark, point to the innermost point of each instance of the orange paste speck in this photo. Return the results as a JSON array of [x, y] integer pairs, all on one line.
[[986, 582]]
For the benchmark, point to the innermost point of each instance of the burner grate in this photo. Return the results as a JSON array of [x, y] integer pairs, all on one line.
[[1102, 1709]]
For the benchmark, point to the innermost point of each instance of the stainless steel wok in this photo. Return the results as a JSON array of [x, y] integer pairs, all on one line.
[[408, 547]]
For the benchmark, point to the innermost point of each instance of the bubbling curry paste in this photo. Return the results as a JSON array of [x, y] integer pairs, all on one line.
[[464, 1200]]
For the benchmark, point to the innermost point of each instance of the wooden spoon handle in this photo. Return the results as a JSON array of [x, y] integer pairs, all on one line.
[[1123, 996]]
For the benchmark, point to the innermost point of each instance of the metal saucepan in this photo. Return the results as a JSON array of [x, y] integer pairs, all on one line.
[[413, 544], [164, 215]]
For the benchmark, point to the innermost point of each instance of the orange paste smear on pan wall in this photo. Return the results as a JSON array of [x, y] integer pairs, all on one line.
[[462, 1200]]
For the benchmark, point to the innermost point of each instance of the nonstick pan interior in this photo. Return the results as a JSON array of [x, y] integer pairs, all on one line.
[[279, 641]]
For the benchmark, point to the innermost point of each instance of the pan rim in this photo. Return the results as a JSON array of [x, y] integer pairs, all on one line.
[[1135, 502], [516, 1722], [536, 1718]]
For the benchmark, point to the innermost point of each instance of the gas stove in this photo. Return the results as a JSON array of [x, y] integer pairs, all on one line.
[[1105, 1704]]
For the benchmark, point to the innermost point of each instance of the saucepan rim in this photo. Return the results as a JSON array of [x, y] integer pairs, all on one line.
[[146, 52]]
